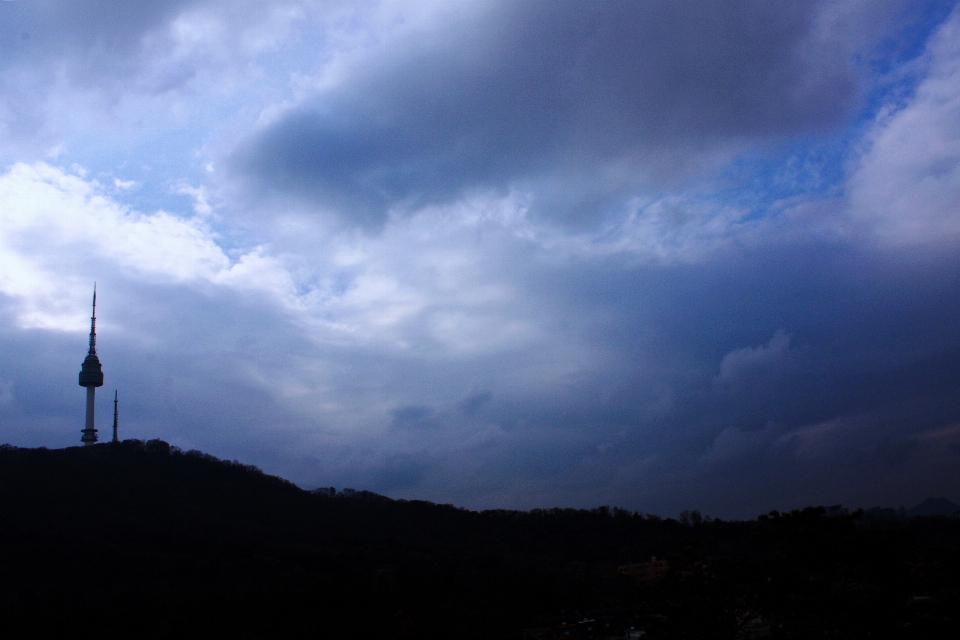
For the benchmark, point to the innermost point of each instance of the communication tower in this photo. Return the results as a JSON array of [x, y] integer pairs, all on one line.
[[91, 376]]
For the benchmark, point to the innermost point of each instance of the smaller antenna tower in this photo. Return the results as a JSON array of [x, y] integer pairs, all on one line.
[[116, 416]]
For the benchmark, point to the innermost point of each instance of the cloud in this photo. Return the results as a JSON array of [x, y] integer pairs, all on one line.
[[58, 226], [117, 69], [857, 460], [493, 254], [451, 358], [612, 96], [753, 362], [906, 186]]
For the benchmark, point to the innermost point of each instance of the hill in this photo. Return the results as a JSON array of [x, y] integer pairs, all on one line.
[[934, 507], [144, 540]]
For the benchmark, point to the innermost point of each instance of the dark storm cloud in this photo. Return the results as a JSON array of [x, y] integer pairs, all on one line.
[[525, 91], [786, 374], [803, 334], [87, 42], [761, 379], [475, 402], [413, 417]]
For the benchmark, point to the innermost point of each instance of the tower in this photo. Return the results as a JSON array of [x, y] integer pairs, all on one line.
[[116, 417], [91, 376]]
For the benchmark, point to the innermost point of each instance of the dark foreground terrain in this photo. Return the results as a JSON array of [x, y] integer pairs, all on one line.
[[138, 540]]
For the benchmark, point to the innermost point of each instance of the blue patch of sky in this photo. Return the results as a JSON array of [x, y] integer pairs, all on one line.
[[155, 160], [159, 162], [812, 165], [889, 62], [916, 23], [816, 165]]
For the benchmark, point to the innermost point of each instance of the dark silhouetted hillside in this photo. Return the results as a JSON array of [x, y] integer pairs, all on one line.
[[143, 540]]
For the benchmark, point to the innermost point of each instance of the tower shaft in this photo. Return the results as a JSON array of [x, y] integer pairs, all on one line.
[[89, 433]]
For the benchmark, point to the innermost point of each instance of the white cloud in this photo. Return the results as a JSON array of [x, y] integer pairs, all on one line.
[[752, 361], [201, 198], [907, 185], [58, 231], [107, 74], [424, 284]]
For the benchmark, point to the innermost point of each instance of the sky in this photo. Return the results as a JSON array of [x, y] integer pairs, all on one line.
[[658, 254]]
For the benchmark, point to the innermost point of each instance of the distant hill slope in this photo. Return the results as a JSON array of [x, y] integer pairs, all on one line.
[[114, 535], [141, 540], [934, 507]]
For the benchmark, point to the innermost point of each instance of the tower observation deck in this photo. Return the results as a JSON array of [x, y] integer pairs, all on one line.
[[91, 376]]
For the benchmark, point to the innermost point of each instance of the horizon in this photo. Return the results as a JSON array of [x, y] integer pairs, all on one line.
[[346, 492], [664, 255]]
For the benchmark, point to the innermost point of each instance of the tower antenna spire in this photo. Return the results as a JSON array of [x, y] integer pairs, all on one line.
[[93, 324], [91, 376]]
